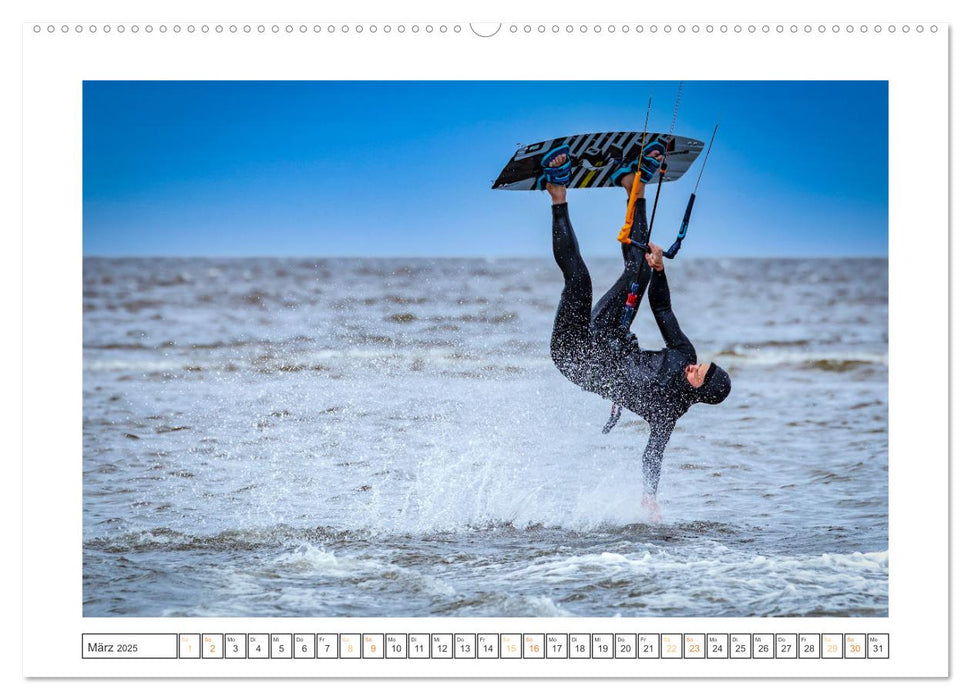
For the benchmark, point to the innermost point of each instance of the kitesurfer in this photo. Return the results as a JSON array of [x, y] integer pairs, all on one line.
[[593, 348]]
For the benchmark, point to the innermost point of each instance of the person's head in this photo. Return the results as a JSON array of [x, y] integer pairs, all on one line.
[[710, 382]]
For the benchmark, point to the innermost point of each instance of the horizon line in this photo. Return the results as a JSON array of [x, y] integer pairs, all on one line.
[[125, 256]]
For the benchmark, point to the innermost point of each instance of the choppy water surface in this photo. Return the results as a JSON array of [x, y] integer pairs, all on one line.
[[299, 437]]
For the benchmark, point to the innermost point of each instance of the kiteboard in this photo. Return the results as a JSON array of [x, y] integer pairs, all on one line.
[[595, 158]]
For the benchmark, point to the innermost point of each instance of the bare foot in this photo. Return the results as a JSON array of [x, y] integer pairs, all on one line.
[[557, 192], [650, 509]]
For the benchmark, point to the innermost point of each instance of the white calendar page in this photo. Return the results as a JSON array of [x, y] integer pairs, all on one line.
[[907, 636]]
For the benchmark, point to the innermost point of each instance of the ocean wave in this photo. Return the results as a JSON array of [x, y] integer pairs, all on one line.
[[309, 560], [534, 571], [488, 529], [167, 539], [659, 558], [499, 604], [658, 579], [378, 354], [824, 361], [294, 354]]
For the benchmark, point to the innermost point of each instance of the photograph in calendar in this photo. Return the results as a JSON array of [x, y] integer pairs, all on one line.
[[492, 349]]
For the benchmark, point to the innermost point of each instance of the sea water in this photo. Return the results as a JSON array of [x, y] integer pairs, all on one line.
[[331, 437]]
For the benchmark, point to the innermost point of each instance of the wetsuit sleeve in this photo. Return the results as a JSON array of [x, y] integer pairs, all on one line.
[[660, 298], [653, 454]]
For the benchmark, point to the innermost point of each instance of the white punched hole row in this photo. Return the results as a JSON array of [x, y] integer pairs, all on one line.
[[520, 29]]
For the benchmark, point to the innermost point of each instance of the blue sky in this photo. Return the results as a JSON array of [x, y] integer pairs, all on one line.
[[405, 168]]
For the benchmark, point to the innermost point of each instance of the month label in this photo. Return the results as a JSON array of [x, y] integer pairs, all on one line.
[[129, 646]]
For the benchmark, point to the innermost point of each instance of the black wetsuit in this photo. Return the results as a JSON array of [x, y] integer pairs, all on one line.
[[592, 350]]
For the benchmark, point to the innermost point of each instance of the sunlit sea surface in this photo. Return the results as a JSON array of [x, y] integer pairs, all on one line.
[[352, 437]]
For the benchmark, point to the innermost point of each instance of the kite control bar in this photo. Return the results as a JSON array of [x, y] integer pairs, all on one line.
[[676, 246]]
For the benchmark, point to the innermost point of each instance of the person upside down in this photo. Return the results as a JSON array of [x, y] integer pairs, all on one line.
[[591, 345]]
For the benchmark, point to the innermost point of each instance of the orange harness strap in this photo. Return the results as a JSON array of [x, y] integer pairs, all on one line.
[[624, 235]]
